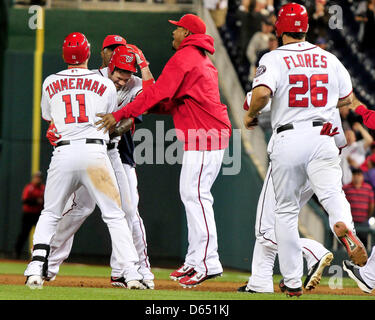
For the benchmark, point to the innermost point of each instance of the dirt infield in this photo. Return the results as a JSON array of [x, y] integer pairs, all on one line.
[[96, 282]]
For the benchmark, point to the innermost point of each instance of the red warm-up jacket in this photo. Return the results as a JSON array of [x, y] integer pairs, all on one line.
[[368, 116], [188, 89]]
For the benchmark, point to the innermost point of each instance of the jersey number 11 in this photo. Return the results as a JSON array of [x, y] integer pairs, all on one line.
[[69, 112]]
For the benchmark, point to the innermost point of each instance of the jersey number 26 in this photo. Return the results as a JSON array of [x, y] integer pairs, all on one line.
[[318, 95]]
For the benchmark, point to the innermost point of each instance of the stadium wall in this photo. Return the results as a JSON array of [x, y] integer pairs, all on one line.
[[160, 205]]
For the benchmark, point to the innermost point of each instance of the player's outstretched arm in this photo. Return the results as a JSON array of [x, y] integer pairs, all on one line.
[[346, 102], [259, 100], [367, 115], [123, 126]]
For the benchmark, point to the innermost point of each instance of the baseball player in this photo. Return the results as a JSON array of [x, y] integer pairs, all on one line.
[[110, 43], [363, 276], [71, 99], [120, 71], [265, 249], [306, 84], [188, 89]]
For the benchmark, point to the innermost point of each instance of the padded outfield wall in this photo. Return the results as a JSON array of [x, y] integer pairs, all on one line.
[[160, 206]]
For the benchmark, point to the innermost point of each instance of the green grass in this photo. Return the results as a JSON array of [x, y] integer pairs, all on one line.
[[18, 292]]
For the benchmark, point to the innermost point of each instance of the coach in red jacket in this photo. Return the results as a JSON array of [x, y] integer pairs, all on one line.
[[188, 89]]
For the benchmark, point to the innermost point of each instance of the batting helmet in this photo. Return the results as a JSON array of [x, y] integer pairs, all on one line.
[[292, 17], [122, 59], [76, 48]]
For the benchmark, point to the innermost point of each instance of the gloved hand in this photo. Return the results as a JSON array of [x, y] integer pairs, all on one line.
[[52, 134], [141, 60], [327, 130]]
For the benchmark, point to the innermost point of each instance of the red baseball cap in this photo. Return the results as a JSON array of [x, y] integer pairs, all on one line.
[[192, 23], [113, 39]]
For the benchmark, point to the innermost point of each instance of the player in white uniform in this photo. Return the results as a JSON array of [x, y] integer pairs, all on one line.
[[265, 248], [71, 99], [306, 84], [81, 205]]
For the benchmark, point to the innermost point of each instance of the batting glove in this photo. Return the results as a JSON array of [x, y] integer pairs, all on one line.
[[141, 60], [52, 134], [328, 131]]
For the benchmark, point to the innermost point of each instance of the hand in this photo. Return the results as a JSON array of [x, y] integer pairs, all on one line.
[[250, 122], [141, 60], [327, 130], [52, 134], [108, 121]]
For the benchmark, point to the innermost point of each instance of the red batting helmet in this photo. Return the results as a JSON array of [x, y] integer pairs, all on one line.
[[123, 59], [292, 17], [76, 48]]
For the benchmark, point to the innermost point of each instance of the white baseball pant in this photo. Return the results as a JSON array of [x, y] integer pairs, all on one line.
[[81, 205], [265, 248], [198, 174], [80, 164], [299, 155], [367, 272]]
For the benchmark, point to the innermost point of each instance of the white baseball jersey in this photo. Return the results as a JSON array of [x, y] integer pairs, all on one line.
[[72, 98], [306, 83]]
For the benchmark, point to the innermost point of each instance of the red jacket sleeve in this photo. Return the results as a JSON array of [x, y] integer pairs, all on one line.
[[26, 193], [164, 88], [368, 116]]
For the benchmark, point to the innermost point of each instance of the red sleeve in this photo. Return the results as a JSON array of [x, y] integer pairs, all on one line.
[[25, 193], [368, 116], [164, 88], [147, 83]]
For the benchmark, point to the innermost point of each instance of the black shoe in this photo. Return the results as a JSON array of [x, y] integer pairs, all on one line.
[[290, 292], [282, 286], [315, 273], [118, 282], [353, 272], [245, 289]]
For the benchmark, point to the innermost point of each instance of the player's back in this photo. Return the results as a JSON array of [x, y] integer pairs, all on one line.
[[72, 98], [307, 83]]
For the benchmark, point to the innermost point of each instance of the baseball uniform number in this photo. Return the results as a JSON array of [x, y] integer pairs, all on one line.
[[318, 94], [80, 98]]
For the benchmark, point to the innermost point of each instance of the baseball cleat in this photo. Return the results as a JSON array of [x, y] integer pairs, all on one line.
[[355, 248], [293, 292], [135, 285], [196, 278], [50, 278], [34, 282], [282, 286], [290, 292], [353, 272], [181, 272], [315, 273], [246, 289], [118, 282], [149, 284]]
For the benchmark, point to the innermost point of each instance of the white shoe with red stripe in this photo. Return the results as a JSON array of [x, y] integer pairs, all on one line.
[[196, 278], [181, 272]]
